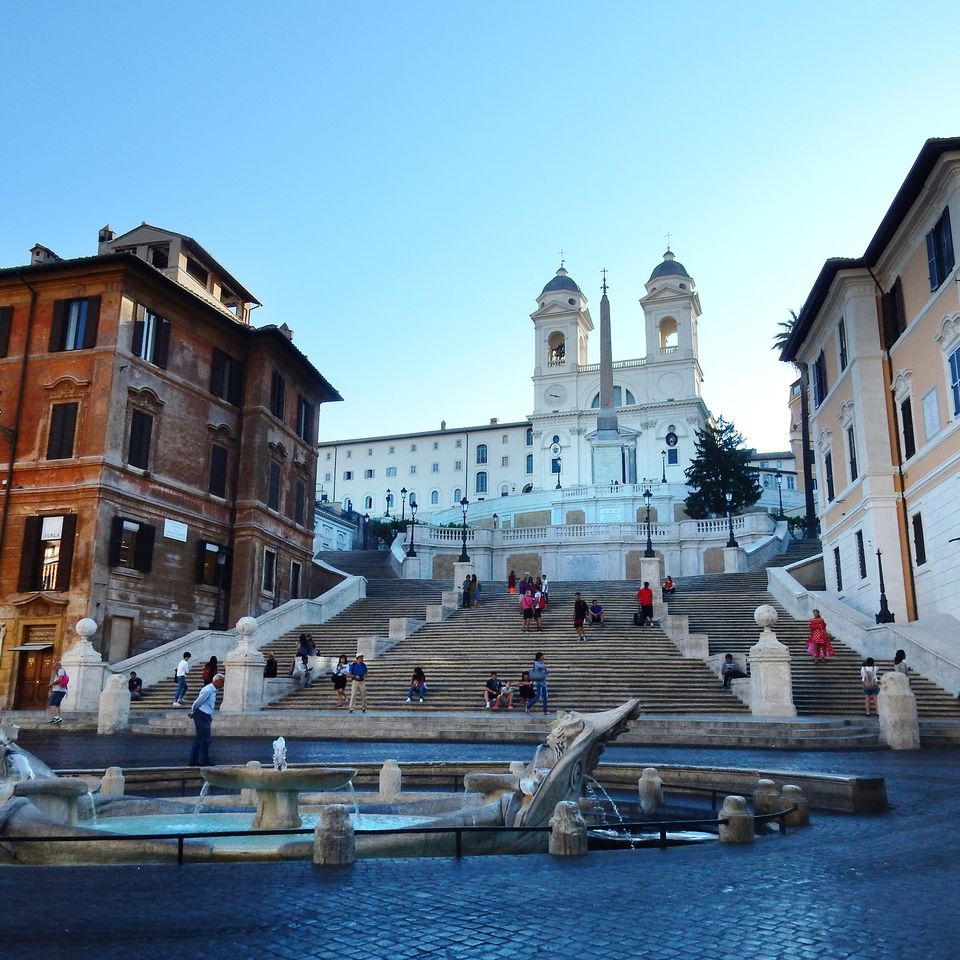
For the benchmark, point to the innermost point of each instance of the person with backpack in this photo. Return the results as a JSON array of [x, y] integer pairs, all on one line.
[[526, 611], [58, 690], [870, 682], [538, 674]]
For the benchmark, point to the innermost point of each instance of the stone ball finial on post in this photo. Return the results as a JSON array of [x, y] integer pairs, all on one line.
[[243, 686], [86, 670], [85, 629], [771, 681]]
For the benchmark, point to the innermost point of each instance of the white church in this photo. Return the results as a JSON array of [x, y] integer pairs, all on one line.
[[602, 456]]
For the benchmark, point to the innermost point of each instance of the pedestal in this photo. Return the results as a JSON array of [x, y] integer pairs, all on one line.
[[114, 708], [568, 830], [897, 706], [460, 572], [86, 670], [739, 826], [334, 839], [243, 679], [733, 560], [411, 569], [771, 682], [650, 788]]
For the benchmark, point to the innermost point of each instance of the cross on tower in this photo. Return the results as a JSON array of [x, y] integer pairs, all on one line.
[[668, 236], [604, 272], [561, 258]]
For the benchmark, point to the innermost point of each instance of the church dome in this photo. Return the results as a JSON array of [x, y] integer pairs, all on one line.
[[562, 281], [669, 268]]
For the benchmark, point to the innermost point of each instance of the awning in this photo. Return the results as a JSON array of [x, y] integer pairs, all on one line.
[[33, 646]]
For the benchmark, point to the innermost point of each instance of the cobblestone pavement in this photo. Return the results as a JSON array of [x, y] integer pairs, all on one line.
[[847, 887]]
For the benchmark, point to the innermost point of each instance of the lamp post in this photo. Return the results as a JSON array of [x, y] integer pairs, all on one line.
[[647, 497], [411, 552], [731, 540], [496, 521], [663, 474], [366, 523], [779, 477], [884, 616], [403, 504], [386, 512], [464, 556]]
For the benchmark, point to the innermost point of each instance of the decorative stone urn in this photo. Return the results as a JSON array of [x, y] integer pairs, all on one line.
[[771, 682]]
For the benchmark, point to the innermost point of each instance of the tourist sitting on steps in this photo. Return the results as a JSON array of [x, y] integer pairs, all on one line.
[[669, 587], [135, 686], [418, 685], [495, 693], [525, 689], [596, 613], [730, 670]]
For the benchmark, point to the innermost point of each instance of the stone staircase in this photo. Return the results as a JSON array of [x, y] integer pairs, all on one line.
[[375, 565], [617, 662], [722, 606]]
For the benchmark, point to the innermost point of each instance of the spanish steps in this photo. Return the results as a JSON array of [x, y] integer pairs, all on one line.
[[618, 661]]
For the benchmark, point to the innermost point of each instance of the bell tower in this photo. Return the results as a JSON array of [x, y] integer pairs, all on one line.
[[562, 327]]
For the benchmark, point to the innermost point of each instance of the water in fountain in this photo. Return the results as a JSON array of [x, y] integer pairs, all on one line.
[[204, 790], [280, 754], [93, 809], [353, 801], [598, 794]]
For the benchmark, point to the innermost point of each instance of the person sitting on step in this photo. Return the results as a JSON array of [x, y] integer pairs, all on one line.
[[418, 685], [596, 613], [730, 670], [525, 688], [669, 587], [495, 693]]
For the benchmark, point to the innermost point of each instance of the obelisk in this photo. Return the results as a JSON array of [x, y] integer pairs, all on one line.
[[607, 442]]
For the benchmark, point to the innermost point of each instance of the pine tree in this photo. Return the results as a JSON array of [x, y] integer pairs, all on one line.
[[720, 464]]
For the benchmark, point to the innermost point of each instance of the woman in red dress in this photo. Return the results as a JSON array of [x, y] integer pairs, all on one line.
[[819, 646]]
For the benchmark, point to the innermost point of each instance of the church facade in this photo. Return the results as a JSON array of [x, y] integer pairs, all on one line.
[[653, 407]]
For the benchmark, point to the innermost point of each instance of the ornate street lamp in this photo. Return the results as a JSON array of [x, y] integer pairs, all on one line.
[[884, 616], [663, 475], [779, 477], [386, 512], [403, 504], [411, 552], [366, 523], [464, 556], [647, 497], [496, 521], [732, 540]]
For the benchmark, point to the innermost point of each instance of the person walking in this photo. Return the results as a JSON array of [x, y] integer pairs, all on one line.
[[358, 685], [645, 600], [58, 690], [209, 671], [538, 604], [545, 590], [900, 663], [183, 668], [512, 583], [526, 611], [870, 682], [418, 685], [538, 674], [341, 673], [475, 591], [580, 610], [819, 646], [270, 667], [467, 584], [202, 715]]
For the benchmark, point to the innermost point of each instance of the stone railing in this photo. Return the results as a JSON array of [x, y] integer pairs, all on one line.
[[450, 535], [617, 365]]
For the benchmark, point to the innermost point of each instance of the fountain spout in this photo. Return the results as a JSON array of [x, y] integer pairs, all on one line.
[[280, 754]]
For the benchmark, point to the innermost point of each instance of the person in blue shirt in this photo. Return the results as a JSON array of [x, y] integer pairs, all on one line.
[[358, 685], [202, 715]]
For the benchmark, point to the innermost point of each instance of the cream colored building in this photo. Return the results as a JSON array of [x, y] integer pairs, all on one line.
[[880, 336]]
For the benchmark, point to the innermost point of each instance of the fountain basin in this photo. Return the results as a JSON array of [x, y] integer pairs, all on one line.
[[277, 790]]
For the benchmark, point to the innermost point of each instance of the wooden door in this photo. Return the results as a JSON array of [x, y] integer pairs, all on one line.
[[33, 678]]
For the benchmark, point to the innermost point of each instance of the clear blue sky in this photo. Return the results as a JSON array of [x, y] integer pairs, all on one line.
[[394, 181]]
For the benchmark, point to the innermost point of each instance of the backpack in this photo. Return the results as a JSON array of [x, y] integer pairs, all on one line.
[[869, 677], [63, 681]]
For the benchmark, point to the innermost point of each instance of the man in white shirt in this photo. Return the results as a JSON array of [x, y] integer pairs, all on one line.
[[202, 715], [183, 668]]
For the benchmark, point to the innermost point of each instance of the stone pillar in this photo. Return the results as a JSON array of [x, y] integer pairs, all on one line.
[[568, 830], [113, 782], [771, 684], [411, 568], [243, 680], [792, 796], [651, 570], [766, 798], [334, 840], [390, 780], [897, 706], [114, 713], [248, 795], [733, 560], [739, 829], [650, 788], [86, 670]]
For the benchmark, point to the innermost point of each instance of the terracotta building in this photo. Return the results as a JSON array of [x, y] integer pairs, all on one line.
[[157, 453]]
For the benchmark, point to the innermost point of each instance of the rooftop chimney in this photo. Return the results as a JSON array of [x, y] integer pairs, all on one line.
[[106, 234], [41, 254], [494, 421], [443, 424]]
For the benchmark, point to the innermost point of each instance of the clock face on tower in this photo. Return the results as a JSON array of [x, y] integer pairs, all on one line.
[[555, 395]]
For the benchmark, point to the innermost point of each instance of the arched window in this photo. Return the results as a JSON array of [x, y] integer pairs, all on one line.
[[529, 463], [556, 350], [411, 497], [527, 488], [504, 489], [434, 497], [457, 495], [482, 482], [368, 502], [669, 335], [621, 397], [482, 453], [529, 436]]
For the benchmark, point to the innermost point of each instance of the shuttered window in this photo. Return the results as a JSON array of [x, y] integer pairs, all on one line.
[[273, 487], [906, 422], [47, 553], [151, 338], [940, 259], [74, 325], [63, 427], [278, 395], [894, 314], [131, 544], [226, 377], [218, 470], [305, 420], [212, 560], [141, 428], [6, 320], [299, 502]]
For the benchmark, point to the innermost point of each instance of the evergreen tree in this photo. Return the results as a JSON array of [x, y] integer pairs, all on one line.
[[720, 465]]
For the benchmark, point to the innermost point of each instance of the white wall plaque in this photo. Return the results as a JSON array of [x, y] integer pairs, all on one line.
[[175, 530]]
